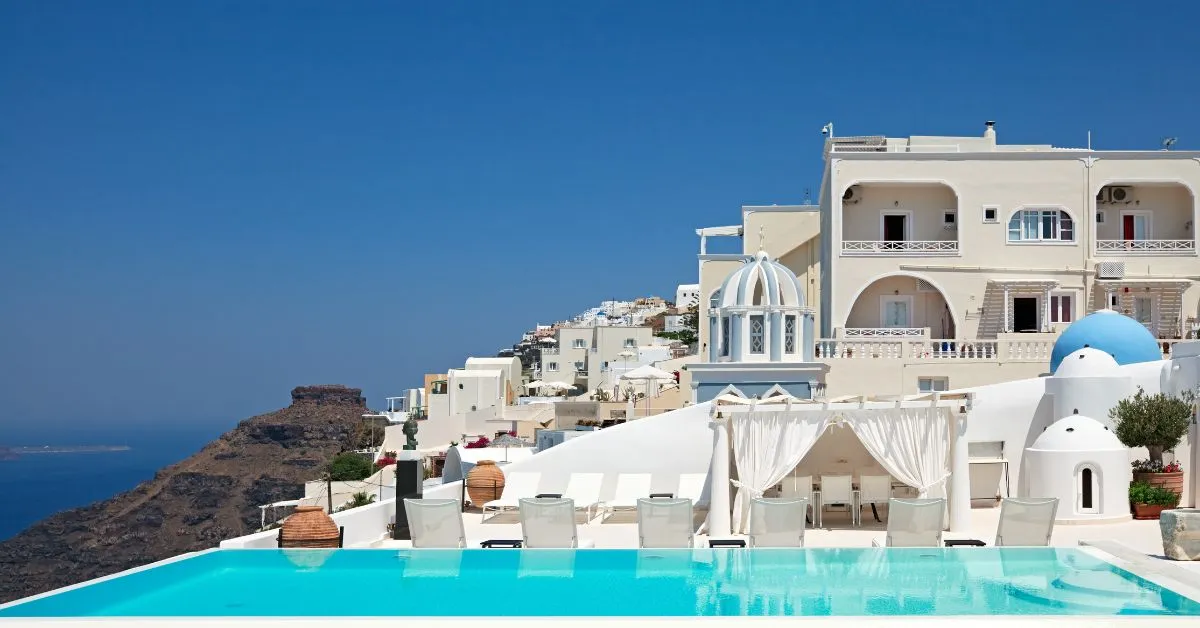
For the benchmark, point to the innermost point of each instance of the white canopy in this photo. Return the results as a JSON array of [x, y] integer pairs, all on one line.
[[646, 373], [537, 383], [911, 440], [554, 385]]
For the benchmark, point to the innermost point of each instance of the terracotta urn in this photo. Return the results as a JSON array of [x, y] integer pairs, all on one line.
[[309, 526], [485, 482]]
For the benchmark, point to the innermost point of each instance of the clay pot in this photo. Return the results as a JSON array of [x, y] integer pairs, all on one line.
[[309, 526], [485, 482], [1147, 511], [1172, 481]]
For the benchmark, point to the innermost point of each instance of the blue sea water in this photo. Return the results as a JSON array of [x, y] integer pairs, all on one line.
[[36, 486], [627, 583]]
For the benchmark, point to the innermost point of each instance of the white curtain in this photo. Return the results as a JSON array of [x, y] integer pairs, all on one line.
[[766, 447], [912, 444]]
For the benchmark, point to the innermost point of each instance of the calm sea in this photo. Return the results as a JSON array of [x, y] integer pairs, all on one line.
[[33, 487]]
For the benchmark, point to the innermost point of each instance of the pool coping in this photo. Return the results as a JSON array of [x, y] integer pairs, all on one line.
[[1152, 569]]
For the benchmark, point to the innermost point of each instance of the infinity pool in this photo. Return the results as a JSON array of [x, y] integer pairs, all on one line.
[[283, 583]]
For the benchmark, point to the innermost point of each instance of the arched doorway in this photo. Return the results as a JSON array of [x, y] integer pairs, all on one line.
[[900, 305]]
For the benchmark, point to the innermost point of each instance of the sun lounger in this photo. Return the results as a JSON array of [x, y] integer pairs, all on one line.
[[630, 488], [777, 522], [584, 490], [691, 486], [517, 485], [665, 522], [549, 523], [914, 523], [435, 523], [1026, 522]]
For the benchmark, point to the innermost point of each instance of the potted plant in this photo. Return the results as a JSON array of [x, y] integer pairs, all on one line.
[[1157, 422], [1148, 501]]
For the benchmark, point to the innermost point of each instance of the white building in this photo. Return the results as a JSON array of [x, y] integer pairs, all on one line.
[[687, 295]]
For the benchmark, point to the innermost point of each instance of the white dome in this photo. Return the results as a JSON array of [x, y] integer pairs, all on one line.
[[1077, 433], [761, 281], [1088, 362]]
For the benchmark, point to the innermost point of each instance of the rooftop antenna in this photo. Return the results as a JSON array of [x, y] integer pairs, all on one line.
[[807, 197], [1168, 142]]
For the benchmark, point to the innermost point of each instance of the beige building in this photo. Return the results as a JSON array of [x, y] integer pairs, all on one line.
[[942, 262], [594, 356]]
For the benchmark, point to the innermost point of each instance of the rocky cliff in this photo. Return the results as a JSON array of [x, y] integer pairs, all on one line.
[[192, 505]]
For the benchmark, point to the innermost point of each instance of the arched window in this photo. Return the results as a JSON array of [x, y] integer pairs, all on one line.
[[1087, 490], [1041, 225], [725, 336]]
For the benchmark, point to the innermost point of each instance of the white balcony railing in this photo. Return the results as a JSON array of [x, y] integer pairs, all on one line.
[[845, 146], [874, 332], [1145, 247], [907, 247]]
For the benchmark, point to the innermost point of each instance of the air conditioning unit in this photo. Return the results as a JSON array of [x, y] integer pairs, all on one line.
[[852, 195], [1110, 270], [1105, 196], [1120, 194]]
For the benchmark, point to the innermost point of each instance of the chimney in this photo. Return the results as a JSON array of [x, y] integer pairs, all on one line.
[[989, 130]]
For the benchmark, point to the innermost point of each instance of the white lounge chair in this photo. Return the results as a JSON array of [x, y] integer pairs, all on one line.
[[665, 522], [691, 486], [777, 522], [837, 490], [914, 523], [1026, 522], [549, 522], [435, 523], [517, 485], [630, 488], [584, 490], [873, 489]]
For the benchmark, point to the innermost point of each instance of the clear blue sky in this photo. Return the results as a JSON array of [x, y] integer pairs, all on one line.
[[206, 203]]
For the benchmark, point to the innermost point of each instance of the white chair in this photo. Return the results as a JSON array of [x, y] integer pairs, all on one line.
[[691, 486], [630, 488], [837, 490], [777, 522], [798, 487], [517, 485], [435, 523], [584, 490], [873, 489], [1026, 522], [549, 522], [665, 522], [914, 523]]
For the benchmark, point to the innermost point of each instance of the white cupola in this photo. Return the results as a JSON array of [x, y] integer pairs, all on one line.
[[760, 315]]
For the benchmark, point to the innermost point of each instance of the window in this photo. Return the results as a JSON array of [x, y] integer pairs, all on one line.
[[579, 343], [990, 213], [579, 367], [1100, 217], [789, 333], [1135, 226], [895, 311], [1062, 308], [949, 218], [756, 333], [1114, 301], [1087, 490], [933, 384], [1041, 225], [1143, 310], [552, 366], [725, 336], [630, 343]]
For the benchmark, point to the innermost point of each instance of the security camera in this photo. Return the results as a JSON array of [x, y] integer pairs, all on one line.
[[825, 130]]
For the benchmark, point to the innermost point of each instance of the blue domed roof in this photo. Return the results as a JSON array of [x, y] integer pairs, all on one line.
[[1125, 339]]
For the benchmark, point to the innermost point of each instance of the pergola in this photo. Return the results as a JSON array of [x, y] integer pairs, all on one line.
[[920, 440]]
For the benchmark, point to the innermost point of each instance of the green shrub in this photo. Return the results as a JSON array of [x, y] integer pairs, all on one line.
[[350, 467], [1157, 422], [1146, 493], [358, 499]]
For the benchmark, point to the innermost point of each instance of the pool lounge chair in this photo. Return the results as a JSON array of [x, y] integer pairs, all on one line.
[[435, 523], [517, 484], [777, 522], [914, 523], [873, 489], [549, 522], [1026, 522], [665, 522], [584, 490], [630, 488]]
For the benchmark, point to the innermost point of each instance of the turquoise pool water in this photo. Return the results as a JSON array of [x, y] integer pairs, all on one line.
[[960, 581]]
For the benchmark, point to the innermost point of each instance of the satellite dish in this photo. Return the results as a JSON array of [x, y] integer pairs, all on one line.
[[1168, 142]]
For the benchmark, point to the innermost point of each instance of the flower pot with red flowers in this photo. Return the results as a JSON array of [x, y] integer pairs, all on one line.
[[1157, 422]]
